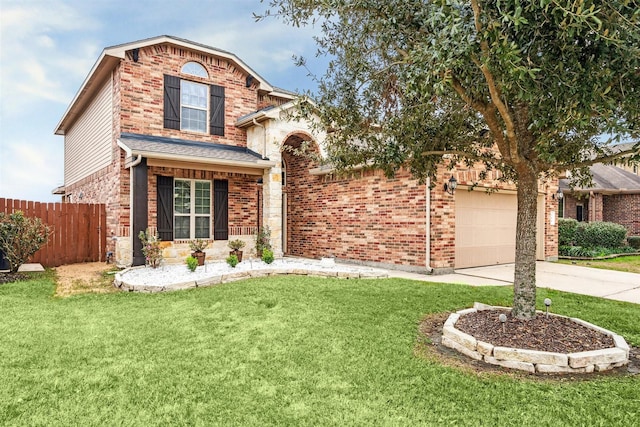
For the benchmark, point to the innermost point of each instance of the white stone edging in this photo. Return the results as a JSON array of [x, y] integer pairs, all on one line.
[[534, 361], [226, 277]]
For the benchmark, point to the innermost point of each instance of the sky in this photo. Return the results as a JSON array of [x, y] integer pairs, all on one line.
[[47, 48]]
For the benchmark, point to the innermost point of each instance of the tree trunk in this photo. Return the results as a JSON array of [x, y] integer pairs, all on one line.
[[524, 284]]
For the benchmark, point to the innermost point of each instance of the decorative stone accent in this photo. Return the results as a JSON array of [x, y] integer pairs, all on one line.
[[260, 270], [534, 361]]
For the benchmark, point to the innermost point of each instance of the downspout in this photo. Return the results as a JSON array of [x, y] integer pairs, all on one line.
[[428, 231], [135, 163], [264, 138]]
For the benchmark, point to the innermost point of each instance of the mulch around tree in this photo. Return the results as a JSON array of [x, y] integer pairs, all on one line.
[[429, 346], [552, 333]]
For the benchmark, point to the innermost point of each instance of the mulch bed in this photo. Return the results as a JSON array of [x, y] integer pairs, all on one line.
[[429, 346], [12, 277], [554, 334]]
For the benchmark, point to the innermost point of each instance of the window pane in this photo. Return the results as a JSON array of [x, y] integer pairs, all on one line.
[[195, 69], [203, 197], [182, 199], [202, 227], [195, 120], [181, 230], [193, 94]]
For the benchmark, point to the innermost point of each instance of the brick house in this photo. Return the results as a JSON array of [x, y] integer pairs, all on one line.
[[188, 140], [614, 196]]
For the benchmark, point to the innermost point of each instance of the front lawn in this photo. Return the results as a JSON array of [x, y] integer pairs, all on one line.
[[630, 264], [279, 351]]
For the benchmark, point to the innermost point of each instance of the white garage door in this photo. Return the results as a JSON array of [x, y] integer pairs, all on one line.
[[486, 228]]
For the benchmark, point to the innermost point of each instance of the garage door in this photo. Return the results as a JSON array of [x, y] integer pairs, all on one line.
[[486, 228]]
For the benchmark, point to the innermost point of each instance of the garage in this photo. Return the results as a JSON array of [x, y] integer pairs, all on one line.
[[486, 228]]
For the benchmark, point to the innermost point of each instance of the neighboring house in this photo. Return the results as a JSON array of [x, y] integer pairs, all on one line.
[[633, 167], [188, 140], [614, 196]]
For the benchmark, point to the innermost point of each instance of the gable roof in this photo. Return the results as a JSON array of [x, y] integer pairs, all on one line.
[[111, 57], [607, 179], [174, 149]]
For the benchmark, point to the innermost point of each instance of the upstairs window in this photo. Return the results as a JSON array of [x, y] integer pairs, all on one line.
[[194, 69], [194, 107]]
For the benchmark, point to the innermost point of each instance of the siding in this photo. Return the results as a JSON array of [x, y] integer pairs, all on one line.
[[88, 143]]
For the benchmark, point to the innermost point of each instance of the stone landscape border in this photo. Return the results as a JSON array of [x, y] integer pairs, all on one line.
[[534, 361], [216, 279]]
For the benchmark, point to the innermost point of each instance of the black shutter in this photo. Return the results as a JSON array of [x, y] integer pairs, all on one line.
[[221, 209], [165, 208], [171, 102], [216, 111]]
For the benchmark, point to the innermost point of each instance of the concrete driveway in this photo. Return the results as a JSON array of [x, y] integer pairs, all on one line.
[[615, 285]]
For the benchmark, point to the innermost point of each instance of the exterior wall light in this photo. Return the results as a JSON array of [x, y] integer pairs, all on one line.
[[558, 195], [450, 187]]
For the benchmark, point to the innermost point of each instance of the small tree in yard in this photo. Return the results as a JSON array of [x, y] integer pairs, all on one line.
[[21, 237], [527, 88]]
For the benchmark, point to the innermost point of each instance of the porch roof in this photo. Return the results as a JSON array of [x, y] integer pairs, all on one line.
[[182, 150], [607, 179]]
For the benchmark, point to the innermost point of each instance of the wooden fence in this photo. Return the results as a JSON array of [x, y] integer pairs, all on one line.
[[78, 231]]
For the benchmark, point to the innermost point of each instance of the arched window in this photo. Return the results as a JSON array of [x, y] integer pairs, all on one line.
[[194, 69]]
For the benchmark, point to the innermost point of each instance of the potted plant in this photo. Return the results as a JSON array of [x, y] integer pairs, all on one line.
[[197, 247], [236, 245]]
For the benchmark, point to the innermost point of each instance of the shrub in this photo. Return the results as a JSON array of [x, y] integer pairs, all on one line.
[[21, 237], [600, 234], [267, 256], [232, 260], [192, 263], [566, 231], [634, 241], [151, 248], [236, 245], [198, 245], [263, 240]]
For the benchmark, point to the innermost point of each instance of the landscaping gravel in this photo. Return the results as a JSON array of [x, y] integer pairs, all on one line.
[[178, 273]]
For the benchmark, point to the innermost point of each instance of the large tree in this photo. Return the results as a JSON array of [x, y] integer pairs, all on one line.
[[526, 87]]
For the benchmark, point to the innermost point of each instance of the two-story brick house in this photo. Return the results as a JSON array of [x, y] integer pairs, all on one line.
[[189, 140]]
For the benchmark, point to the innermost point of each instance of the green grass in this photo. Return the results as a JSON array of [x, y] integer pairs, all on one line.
[[629, 264], [279, 351]]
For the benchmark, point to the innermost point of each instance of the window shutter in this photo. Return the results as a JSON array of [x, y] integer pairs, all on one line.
[[171, 102], [221, 209], [165, 208], [216, 111]]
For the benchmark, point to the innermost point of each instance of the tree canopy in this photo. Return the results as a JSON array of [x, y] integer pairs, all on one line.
[[529, 88]]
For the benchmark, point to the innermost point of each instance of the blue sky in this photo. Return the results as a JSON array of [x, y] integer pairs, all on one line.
[[47, 48]]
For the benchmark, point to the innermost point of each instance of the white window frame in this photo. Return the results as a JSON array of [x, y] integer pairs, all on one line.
[[192, 215], [194, 107], [195, 69]]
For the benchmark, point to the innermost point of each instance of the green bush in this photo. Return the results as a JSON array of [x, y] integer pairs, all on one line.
[[263, 240], [567, 231], [267, 256], [600, 234], [634, 241], [21, 237], [192, 263], [232, 260]]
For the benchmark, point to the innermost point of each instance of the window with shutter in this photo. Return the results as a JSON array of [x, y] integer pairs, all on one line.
[[185, 106]]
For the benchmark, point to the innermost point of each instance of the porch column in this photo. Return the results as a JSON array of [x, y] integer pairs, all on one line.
[[139, 209]]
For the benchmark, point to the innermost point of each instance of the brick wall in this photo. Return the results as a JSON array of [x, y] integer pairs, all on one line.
[[365, 217], [243, 194], [623, 209]]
